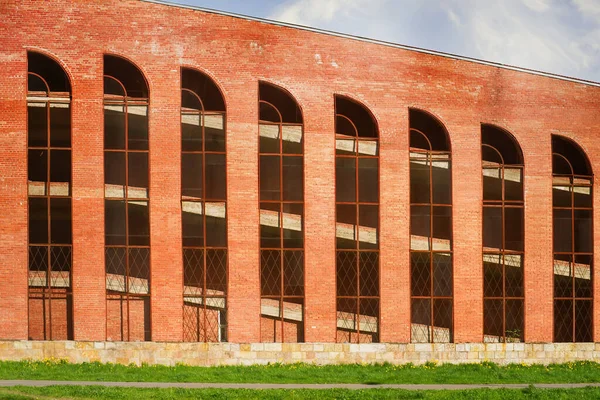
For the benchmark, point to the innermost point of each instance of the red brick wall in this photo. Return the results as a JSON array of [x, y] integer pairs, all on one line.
[[238, 53]]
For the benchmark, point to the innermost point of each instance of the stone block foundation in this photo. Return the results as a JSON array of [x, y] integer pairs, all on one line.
[[212, 354]]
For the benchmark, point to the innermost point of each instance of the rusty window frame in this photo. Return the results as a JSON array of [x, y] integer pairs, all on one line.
[[572, 181], [286, 290], [133, 288], [357, 326], [430, 156], [517, 333], [196, 325], [49, 285]]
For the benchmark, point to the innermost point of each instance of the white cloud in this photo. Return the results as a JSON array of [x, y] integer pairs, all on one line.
[[548, 35]]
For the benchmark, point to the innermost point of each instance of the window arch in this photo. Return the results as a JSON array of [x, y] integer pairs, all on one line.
[[126, 204], [430, 230], [503, 236], [281, 182], [357, 223], [573, 246], [203, 208], [49, 200]]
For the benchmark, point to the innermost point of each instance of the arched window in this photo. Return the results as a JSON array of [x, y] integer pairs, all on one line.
[[503, 221], [126, 205], [281, 181], [49, 198], [203, 209], [357, 223], [572, 181], [430, 230]]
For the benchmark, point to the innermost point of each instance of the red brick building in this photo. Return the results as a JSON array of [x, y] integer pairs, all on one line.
[[172, 174]]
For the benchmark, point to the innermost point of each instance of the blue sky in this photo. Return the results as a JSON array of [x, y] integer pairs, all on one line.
[[558, 36]]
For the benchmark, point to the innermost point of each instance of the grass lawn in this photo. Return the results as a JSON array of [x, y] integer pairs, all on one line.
[[576, 372], [94, 392]]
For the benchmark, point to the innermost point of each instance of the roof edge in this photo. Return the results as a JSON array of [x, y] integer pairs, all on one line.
[[379, 42]]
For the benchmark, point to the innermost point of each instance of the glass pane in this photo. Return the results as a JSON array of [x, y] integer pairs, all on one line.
[[562, 230], [192, 222], [270, 273], [346, 226], [293, 273], [442, 321], [269, 178], [369, 273], [563, 321], [269, 138], [368, 229], [346, 273], [493, 320], [514, 275], [419, 181], [513, 228], [38, 221], [368, 147], [37, 125], [345, 146], [420, 274], [60, 221], [583, 276], [114, 174], [60, 172], [139, 223], [441, 182], [193, 271], [513, 184], [137, 127], [114, 127], [442, 228], [420, 319], [368, 180], [292, 139], [492, 228], [138, 175], [583, 196], [270, 225], [37, 171], [191, 175], [293, 236], [561, 196], [60, 125], [293, 178], [492, 275], [583, 231], [420, 227], [442, 274], [514, 321], [583, 321], [115, 222], [216, 225], [216, 271], [191, 132], [214, 132], [345, 179], [563, 275], [215, 180]]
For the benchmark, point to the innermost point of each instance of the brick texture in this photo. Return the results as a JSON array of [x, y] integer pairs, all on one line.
[[238, 53]]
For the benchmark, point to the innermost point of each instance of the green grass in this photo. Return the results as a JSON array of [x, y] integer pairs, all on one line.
[[95, 392], [576, 372]]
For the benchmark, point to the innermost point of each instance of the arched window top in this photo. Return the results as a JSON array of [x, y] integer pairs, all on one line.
[[278, 105], [568, 158], [427, 132], [46, 75], [354, 119], [200, 92], [499, 146], [120, 72]]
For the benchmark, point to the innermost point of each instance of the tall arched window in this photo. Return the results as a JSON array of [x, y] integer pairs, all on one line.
[[126, 205], [281, 181], [49, 198], [503, 221], [430, 230], [203, 209], [357, 223], [572, 181]]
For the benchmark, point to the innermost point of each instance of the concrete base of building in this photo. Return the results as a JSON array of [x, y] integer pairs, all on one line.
[[212, 354]]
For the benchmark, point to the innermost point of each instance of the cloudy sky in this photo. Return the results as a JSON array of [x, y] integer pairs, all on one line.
[[558, 36]]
